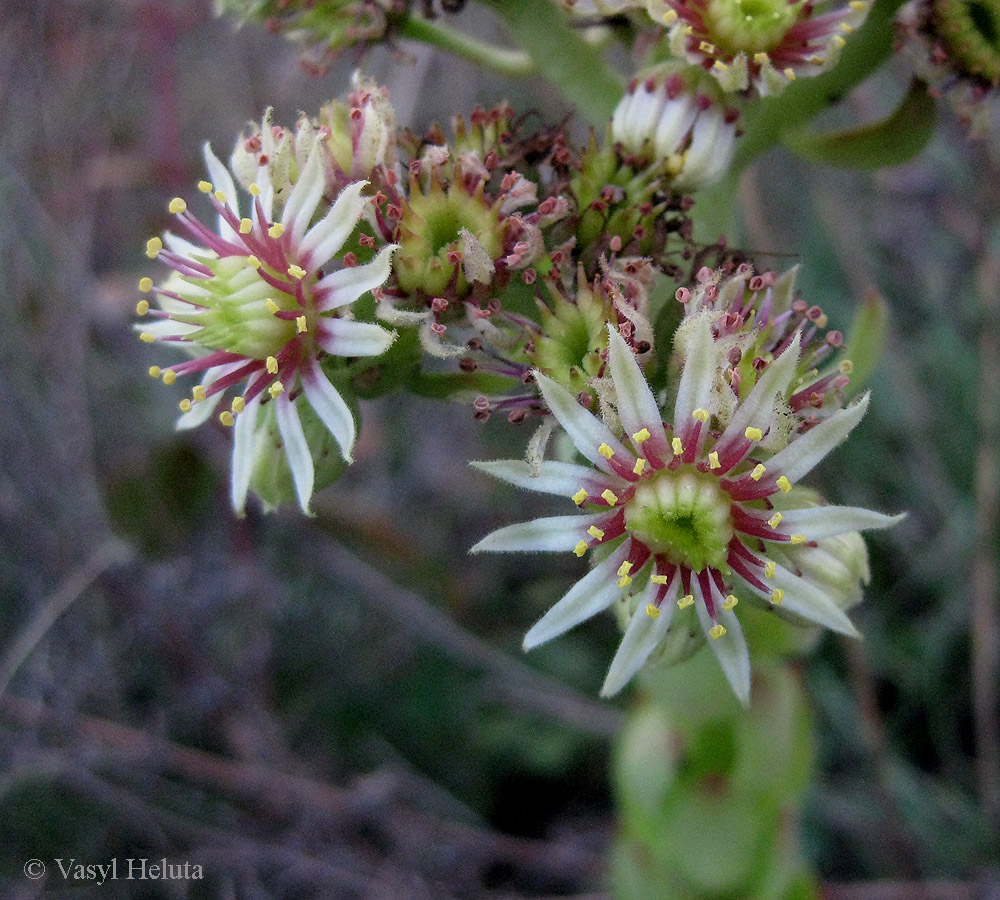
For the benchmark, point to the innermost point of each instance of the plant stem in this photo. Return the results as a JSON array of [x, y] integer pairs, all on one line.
[[504, 62]]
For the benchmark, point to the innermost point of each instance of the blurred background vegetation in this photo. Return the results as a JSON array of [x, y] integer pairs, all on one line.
[[338, 707]]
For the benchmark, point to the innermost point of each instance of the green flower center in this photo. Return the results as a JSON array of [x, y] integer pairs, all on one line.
[[683, 515], [750, 25]]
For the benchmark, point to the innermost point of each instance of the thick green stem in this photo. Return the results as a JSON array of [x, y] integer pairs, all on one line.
[[573, 66], [504, 62]]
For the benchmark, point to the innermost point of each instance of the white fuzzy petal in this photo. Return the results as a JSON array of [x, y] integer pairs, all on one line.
[[698, 375], [296, 449], [327, 236], [305, 196], [641, 638], [560, 478], [244, 451], [675, 123], [757, 408], [730, 649], [806, 600], [347, 285], [808, 449], [342, 337], [596, 591], [636, 404], [202, 411], [828, 521], [223, 181], [586, 431], [553, 534], [335, 414], [706, 142]]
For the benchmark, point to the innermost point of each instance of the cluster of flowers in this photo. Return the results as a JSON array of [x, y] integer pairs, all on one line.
[[345, 249]]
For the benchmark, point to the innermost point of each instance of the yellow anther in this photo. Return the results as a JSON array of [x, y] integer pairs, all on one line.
[[846, 367], [688, 30], [846, 28], [238, 404], [205, 187], [155, 371], [640, 464], [275, 389], [272, 365], [169, 376], [610, 496], [198, 392], [706, 47], [254, 189], [753, 434], [605, 451], [758, 472], [300, 324], [730, 602], [702, 415], [624, 581], [858, 5], [685, 601], [760, 58], [838, 41], [798, 538], [297, 272], [720, 66], [276, 230], [769, 567], [580, 548], [595, 532], [658, 579], [652, 610], [675, 162], [713, 460], [670, 16], [677, 446], [142, 307], [246, 226], [185, 405], [145, 285], [717, 631], [775, 520], [784, 484], [220, 196], [253, 262], [816, 60], [625, 568], [153, 247], [227, 418], [777, 596], [580, 496], [177, 206], [147, 338], [271, 305], [641, 436], [790, 73]]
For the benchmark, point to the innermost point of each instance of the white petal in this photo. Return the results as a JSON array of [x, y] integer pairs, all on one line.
[[806, 600], [202, 411], [646, 113], [560, 478], [342, 337], [330, 407], [223, 181], [620, 117], [586, 431], [597, 590], [808, 449], [706, 142], [700, 367], [757, 408], [183, 247], [346, 285], [641, 638], [636, 404], [296, 449], [244, 451], [554, 533], [678, 117], [327, 236], [828, 521], [730, 649], [305, 196]]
